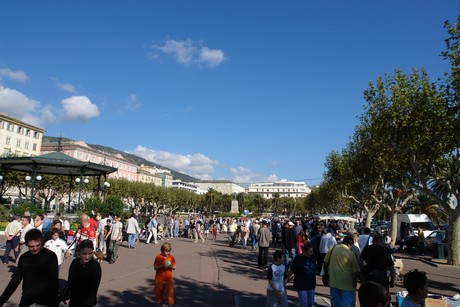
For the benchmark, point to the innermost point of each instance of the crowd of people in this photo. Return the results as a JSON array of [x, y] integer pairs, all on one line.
[[303, 249]]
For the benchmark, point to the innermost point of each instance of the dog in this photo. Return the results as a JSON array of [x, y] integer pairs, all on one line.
[[98, 256]]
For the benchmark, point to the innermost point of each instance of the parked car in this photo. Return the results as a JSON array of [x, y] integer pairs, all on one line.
[[436, 237]]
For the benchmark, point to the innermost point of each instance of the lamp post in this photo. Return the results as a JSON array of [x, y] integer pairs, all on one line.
[[34, 179], [78, 181], [28, 178], [105, 187]]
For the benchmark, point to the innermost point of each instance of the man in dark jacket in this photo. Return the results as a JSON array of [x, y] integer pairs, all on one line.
[[376, 261], [289, 240], [38, 271]]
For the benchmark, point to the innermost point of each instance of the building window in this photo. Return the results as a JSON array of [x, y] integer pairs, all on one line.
[[1, 124], [27, 132], [81, 155], [18, 143], [35, 134], [19, 130], [26, 145], [9, 126], [34, 146], [87, 157], [8, 140]]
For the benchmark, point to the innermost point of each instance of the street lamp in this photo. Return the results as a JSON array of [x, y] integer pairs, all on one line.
[[78, 181], [105, 188], [34, 179]]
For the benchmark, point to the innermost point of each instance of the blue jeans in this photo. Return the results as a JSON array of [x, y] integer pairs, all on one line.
[[341, 298], [131, 239], [255, 244], [306, 298], [289, 253]]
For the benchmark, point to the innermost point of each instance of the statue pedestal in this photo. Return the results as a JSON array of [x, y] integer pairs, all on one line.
[[234, 207]]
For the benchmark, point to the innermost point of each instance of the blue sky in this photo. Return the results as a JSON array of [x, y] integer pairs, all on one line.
[[248, 91]]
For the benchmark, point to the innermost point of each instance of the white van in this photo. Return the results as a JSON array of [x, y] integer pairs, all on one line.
[[408, 224]]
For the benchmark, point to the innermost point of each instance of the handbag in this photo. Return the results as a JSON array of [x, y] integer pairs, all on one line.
[[324, 269]]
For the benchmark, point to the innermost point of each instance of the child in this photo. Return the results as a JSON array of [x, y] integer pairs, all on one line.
[[276, 290], [164, 264], [58, 246], [300, 241], [214, 232]]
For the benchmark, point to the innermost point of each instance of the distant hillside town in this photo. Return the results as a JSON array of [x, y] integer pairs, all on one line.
[[21, 139]]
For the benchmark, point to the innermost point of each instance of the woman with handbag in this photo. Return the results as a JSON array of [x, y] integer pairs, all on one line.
[[84, 278]]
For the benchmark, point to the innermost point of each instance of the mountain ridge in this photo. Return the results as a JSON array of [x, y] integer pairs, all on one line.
[[128, 157]]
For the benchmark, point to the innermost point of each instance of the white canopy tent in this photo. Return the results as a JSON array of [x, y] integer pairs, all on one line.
[[337, 217]]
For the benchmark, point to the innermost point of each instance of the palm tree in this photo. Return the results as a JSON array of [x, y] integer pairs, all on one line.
[[424, 204]]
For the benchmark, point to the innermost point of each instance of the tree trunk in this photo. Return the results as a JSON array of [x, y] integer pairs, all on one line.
[[454, 238], [394, 226]]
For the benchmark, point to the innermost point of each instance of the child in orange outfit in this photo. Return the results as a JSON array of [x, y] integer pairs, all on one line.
[[164, 264]]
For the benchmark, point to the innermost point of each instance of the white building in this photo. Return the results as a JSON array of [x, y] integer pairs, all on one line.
[[222, 186], [19, 138], [285, 188], [179, 184]]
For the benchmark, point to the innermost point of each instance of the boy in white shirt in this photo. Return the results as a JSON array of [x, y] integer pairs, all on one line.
[[58, 246]]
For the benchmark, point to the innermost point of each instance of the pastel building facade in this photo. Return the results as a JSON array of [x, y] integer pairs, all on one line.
[[285, 188], [19, 138], [149, 174], [83, 152]]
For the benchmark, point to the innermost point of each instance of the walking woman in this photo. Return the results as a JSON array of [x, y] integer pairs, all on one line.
[[84, 278]]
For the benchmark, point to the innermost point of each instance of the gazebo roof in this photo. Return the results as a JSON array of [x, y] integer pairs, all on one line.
[[55, 163]]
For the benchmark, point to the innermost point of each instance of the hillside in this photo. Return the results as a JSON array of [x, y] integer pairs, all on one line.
[[129, 157]]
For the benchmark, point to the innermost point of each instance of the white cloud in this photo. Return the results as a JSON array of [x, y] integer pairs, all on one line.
[[196, 165], [18, 105], [212, 58], [244, 175], [189, 52], [79, 108], [18, 75], [66, 87]]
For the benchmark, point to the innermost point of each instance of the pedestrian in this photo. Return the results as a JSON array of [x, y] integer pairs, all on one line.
[[84, 277], [27, 225], [342, 267], [421, 241], [86, 231], [372, 294], [57, 246], [232, 228], [304, 268], [365, 239], [12, 233], [277, 277], [415, 282], [254, 233], [376, 262], [115, 239], [164, 264], [214, 232], [38, 270], [264, 238], [289, 239], [326, 243], [132, 229]]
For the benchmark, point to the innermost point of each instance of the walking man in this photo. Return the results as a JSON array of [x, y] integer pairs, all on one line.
[[264, 238], [115, 239], [12, 233], [132, 229]]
